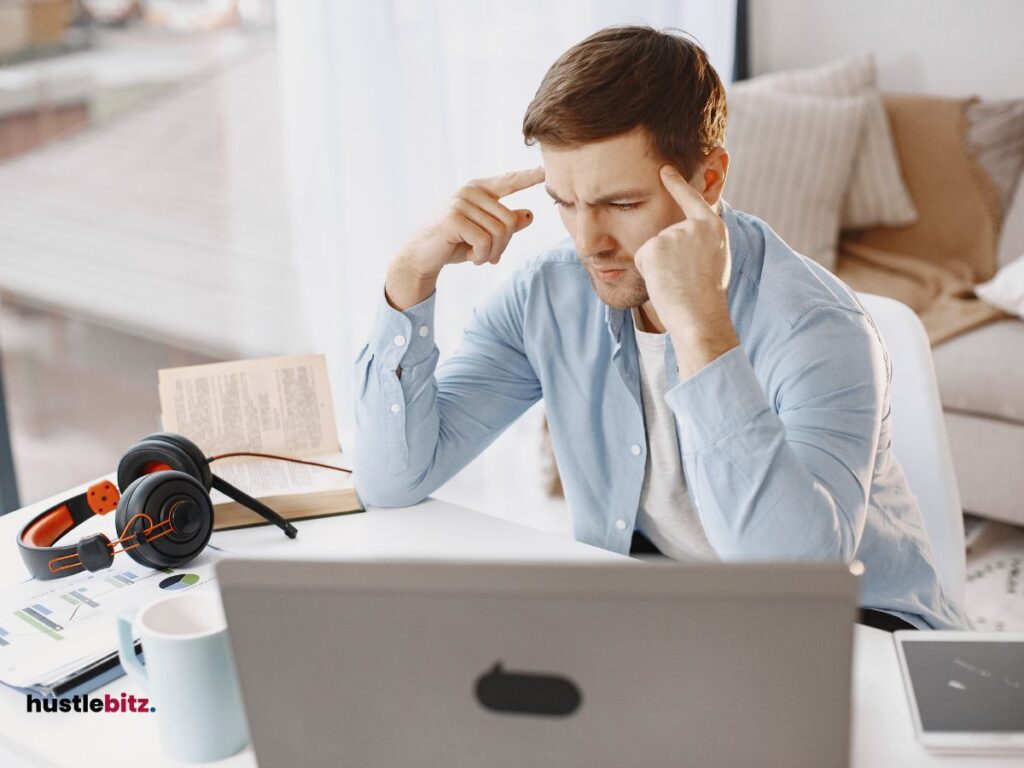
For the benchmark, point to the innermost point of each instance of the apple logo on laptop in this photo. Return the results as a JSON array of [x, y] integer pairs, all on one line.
[[527, 693]]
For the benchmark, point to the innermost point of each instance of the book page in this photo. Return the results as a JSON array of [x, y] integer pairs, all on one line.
[[270, 405], [268, 477]]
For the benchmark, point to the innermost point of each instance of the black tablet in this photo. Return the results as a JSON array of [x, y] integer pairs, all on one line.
[[966, 689]]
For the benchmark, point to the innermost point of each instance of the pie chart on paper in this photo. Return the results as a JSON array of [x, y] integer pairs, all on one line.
[[179, 581]]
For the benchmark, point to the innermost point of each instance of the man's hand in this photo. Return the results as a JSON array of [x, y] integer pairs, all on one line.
[[686, 268], [472, 226]]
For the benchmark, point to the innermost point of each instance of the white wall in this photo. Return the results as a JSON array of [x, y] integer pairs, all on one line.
[[942, 47]]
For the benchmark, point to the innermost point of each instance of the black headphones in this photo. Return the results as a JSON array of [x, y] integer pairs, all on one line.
[[164, 514]]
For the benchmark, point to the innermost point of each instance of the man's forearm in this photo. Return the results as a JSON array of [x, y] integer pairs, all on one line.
[[415, 431], [786, 481], [405, 287], [395, 413]]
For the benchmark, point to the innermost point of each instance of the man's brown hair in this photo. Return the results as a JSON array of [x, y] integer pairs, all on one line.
[[622, 77]]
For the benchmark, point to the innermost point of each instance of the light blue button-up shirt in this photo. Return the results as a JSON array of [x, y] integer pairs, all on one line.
[[784, 440]]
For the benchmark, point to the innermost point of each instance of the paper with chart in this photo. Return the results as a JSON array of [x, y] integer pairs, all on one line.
[[50, 628]]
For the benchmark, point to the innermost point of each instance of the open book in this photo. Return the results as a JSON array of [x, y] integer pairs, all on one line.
[[277, 405]]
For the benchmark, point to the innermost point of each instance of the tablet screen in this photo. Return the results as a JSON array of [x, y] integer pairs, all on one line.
[[975, 685]]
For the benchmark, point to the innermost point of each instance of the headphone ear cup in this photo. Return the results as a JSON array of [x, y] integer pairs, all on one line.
[[151, 501], [163, 451], [194, 453]]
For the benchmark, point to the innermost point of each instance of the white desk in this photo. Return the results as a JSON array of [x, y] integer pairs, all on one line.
[[882, 731]]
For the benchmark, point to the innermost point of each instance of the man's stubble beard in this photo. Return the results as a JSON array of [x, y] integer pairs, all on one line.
[[620, 297]]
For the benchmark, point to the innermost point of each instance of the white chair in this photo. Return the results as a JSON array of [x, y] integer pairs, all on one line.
[[919, 436]]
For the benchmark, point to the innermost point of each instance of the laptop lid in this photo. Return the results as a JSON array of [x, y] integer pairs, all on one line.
[[399, 663]]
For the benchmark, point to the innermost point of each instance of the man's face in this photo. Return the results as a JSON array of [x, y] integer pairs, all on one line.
[[611, 200]]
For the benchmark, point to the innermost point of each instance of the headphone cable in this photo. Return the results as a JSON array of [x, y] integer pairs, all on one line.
[[220, 456]]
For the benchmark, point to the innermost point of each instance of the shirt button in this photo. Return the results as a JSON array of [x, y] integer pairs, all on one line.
[[620, 524], [399, 341], [634, 449], [424, 330], [395, 407]]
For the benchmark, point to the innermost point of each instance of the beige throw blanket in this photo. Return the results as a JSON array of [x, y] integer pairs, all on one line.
[[941, 293]]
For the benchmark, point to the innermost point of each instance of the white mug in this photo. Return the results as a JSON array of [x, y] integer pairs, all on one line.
[[189, 675]]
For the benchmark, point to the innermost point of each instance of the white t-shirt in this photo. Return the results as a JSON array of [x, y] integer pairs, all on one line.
[[666, 515]]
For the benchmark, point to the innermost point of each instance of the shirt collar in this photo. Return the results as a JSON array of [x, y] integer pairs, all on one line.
[[614, 317]]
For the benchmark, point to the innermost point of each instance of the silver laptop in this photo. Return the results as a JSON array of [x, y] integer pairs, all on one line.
[[399, 663]]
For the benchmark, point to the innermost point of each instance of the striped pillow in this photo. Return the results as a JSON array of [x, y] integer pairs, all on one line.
[[995, 133], [877, 195], [790, 161]]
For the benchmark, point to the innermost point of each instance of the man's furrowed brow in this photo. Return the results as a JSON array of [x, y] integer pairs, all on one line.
[[622, 195], [551, 192], [625, 194]]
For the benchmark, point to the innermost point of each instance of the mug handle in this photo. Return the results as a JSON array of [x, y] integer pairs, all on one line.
[[126, 650]]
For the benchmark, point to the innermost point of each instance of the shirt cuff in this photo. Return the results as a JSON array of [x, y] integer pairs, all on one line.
[[719, 399], [403, 338]]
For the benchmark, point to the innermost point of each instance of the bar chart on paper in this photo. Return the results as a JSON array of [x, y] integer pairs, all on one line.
[[50, 626], [56, 611]]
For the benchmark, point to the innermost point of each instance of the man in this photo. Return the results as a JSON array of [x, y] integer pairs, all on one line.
[[708, 390]]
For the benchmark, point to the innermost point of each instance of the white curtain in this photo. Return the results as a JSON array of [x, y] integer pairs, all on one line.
[[389, 106]]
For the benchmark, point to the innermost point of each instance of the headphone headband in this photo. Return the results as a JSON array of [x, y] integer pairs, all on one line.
[[35, 541]]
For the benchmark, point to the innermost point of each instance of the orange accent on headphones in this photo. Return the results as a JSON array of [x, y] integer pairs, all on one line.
[[102, 497], [48, 529]]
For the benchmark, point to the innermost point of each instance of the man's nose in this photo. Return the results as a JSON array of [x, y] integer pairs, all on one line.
[[591, 238]]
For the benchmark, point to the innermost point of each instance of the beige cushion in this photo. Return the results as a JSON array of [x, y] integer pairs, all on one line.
[[877, 194], [791, 157], [958, 206], [982, 372]]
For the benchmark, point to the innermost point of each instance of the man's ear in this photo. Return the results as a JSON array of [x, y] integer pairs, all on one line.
[[711, 173]]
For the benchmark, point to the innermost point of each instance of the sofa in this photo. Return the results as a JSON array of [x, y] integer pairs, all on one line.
[[925, 207], [981, 380]]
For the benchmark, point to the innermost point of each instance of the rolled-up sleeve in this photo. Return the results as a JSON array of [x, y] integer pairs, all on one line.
[[786, 475], [419, 423]]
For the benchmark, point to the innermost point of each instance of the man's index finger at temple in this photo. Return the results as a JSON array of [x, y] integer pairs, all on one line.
[[689, 199], [514, 181]]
